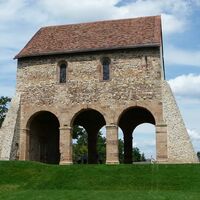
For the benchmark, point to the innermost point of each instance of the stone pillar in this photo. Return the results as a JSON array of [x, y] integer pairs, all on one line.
[[161, 143], [24, 144], [112, 153], [128, 145], [65, 145]]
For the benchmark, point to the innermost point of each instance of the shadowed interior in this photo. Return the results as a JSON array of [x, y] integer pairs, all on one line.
[[44, 138]]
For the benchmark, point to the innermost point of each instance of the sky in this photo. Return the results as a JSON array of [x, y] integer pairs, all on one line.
[[20, 19]]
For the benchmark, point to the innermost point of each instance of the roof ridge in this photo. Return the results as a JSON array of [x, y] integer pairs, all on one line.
[[100, 21]]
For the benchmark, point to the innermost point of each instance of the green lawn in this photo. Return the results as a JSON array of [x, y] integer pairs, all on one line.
[[30, 180]]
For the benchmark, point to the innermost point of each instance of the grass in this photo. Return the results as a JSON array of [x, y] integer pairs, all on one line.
[[31, 180]]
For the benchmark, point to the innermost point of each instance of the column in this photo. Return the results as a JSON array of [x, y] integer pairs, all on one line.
[[128, 146], [65, 145], [92, 147], [161, 143], [112, 154], [24, 144]]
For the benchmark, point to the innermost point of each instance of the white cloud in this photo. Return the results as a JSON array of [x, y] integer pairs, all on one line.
[[194, 134], [174, 13], [179, 56], [9, 9], [77, 10], [186, 85], [195, 137], [66, 11], [197, 2], [172, 24]]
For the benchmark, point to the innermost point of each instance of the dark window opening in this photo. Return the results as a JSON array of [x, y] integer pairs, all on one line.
[[63, 73], [106, 69]]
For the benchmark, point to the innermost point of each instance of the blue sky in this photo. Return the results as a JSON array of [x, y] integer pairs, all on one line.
[[20, 19]]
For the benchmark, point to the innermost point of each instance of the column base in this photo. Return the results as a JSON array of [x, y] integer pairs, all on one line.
[[161, 160], [112, 162], [66, 163]]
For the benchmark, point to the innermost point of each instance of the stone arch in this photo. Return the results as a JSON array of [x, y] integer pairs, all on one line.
[[92, 121], [128, 120], [106, 112], [43, 137]]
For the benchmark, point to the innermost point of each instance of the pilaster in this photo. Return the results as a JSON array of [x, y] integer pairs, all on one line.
[[65, 145]]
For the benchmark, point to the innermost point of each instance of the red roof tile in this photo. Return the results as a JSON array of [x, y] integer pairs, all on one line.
[[103, 35]]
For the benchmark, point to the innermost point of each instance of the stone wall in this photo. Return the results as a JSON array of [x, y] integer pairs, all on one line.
[[9, 132], [132, 79], [180, 149]]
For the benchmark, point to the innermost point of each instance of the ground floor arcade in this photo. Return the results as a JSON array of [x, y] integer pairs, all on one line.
[[45, 140]]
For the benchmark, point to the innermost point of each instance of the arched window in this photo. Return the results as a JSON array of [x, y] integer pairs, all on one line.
[[63, 73], [106, 68]]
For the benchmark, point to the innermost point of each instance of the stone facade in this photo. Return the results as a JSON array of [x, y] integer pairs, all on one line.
[[136, 81]]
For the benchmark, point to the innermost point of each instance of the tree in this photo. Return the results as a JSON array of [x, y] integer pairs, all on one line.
[[101, 147], [80, 143], [137, 156], [3, 108], [143, 157]]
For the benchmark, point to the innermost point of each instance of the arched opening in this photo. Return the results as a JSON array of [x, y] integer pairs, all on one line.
[[44, 138], [92, 121], [128, 121], [144, 139]]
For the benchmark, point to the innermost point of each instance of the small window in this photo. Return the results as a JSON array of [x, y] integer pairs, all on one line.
[[63, 73], [106, 68]]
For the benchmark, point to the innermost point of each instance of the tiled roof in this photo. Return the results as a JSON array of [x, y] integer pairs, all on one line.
[[102, 35]]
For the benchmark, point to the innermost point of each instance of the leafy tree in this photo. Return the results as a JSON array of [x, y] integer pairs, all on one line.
[[80, 143], [3, 108], [143, 157], [137, 156]]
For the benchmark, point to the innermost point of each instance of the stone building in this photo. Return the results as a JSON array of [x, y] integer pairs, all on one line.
[[108, 73]]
